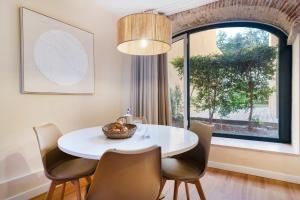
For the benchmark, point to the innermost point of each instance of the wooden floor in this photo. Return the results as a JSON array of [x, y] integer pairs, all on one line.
[[222, 185]]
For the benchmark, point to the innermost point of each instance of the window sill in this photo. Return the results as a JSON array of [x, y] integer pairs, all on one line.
[[255, 145]]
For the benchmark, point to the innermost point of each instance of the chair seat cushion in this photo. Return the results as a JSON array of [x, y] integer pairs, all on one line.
[[72, 169], [180, 169]]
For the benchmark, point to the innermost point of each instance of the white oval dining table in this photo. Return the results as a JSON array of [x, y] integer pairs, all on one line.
[[91, 143]]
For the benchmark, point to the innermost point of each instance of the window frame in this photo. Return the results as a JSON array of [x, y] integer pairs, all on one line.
[[284, 74]]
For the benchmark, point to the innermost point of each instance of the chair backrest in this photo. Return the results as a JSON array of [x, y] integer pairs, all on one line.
[[127, 175], [199, 154], [141, 119], [47, 136]]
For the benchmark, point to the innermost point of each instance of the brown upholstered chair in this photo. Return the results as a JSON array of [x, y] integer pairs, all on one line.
[[190, 166], [131, 175], [60, 167], [140, 119]]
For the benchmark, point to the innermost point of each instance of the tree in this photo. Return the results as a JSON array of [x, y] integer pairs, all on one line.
[[176, 103], [254, 62], [254, 68], [210, 79], [248, 39], [236, 79]]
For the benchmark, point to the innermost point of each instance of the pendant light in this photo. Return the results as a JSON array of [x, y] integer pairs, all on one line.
[[145, 33]]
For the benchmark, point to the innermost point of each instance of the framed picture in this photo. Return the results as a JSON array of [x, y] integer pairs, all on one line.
[[57, 58]]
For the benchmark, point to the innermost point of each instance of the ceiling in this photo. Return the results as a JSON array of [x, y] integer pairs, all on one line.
[[168, 7]]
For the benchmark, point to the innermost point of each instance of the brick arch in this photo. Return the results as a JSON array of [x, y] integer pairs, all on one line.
[[284, 14]]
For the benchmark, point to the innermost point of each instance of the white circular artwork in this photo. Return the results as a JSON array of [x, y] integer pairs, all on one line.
[[60, 57]]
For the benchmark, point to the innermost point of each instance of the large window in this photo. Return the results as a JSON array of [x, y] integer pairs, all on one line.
[[238, 78]]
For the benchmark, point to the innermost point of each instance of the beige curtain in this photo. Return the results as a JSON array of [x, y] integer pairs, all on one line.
[[149, 88]]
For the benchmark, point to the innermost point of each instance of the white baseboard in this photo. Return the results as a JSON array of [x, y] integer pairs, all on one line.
[[255, 172], [25, 186], [31, 193], [224, 166]]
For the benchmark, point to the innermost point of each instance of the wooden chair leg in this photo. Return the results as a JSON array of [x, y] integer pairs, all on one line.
[[200, 190], [88, 180], [50, 191], [77, 188], [176, 186], [63, 188], [160, 196], [187, 191]]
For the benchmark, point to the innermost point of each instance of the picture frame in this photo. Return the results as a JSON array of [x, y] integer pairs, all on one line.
[[56, 57]]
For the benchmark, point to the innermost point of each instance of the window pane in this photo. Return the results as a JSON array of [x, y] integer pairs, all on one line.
[[176, 83], [233, 81]]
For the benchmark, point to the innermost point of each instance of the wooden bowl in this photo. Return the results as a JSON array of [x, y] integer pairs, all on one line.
[[109, 133]]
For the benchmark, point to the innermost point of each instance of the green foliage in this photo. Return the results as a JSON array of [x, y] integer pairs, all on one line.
[[254, 61], [249, 39], [176, 103], [237, 78], [178, 64]]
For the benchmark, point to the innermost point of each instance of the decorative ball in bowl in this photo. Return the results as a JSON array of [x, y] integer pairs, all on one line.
[[118, 130]]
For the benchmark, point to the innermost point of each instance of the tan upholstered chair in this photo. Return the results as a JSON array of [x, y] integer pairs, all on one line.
[[127, 175], [190, 166], [140, 119], [59, 166]]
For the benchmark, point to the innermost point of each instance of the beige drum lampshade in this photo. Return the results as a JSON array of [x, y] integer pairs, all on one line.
[[144, 34]]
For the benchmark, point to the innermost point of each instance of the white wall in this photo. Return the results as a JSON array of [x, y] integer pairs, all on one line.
[[295, 91], [20, 163]]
